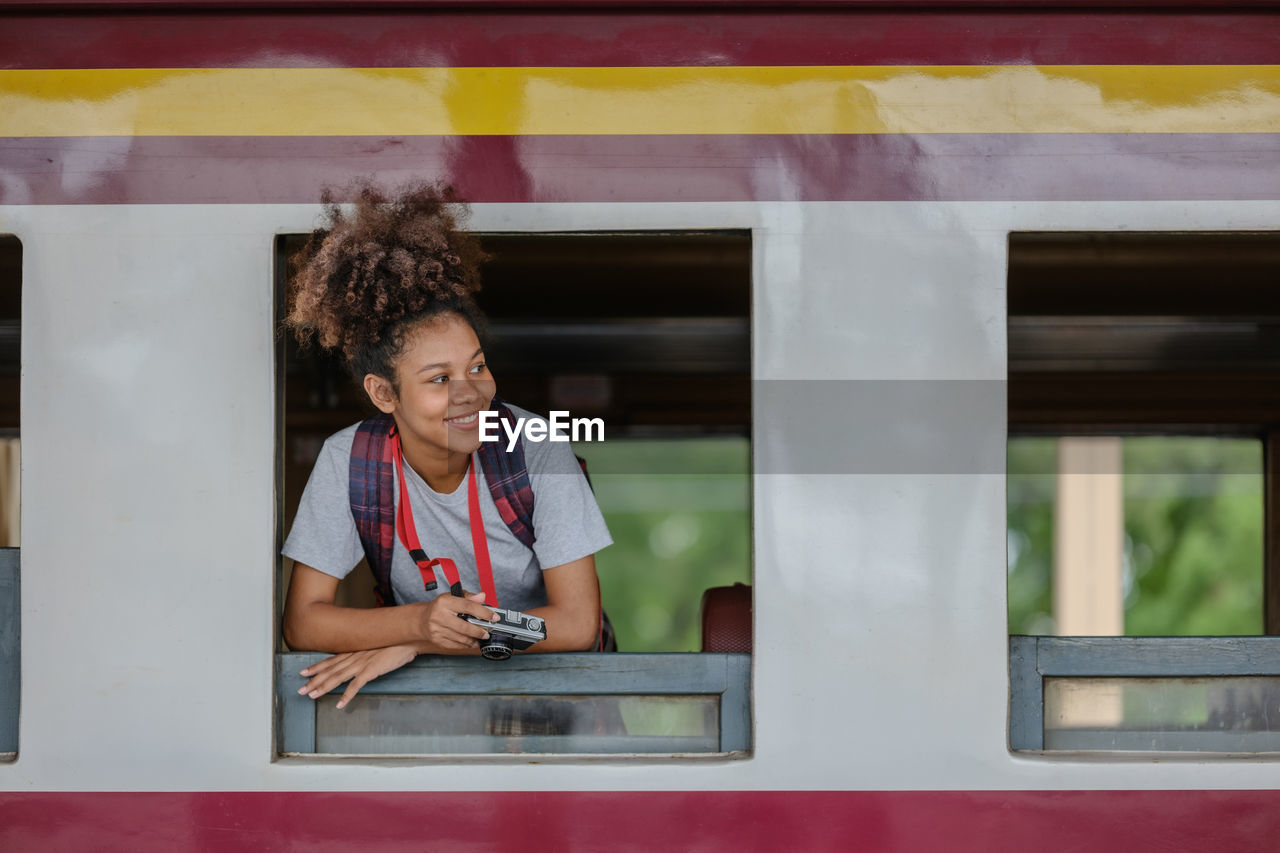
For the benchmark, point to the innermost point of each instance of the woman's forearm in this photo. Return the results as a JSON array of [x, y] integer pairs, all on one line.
[[569, 629], [572, 612], [312, 621], [321, 626]]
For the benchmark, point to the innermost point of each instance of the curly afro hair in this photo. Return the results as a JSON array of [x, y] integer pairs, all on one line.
[[370, 277]]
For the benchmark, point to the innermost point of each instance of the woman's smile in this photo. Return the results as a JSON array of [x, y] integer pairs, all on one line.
[[464, 422]]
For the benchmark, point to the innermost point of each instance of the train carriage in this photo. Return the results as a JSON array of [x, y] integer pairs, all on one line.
[[805, 226]]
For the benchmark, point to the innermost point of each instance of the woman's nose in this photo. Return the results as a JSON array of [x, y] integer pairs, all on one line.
[[468, 390]]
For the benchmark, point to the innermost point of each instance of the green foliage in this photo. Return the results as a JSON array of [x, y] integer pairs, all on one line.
[[679, 513], [1193, 525], [1032, 481], [1193, 535]]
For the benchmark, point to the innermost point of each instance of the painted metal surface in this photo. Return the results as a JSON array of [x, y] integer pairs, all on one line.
[[10, 639], [147, 351], [623, 101], [697, 37], [178, 669], [649, 168], [982, 822], [1033, 659], [642, 107], [616, 5]]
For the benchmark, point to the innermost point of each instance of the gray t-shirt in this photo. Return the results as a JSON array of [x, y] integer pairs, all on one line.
[[566, 522]]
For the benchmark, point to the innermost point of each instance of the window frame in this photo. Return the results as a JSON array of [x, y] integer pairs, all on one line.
[[1200, 387], [10, 650], [1035, 658], [726, 675]]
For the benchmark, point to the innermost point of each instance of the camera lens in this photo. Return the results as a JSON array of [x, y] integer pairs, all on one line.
[[497, 647]]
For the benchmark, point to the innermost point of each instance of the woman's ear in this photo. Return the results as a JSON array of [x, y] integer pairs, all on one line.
[[380, 392]]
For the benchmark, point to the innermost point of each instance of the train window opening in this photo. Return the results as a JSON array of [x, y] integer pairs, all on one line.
[[1142, 463], [648, 332], [10, 491]]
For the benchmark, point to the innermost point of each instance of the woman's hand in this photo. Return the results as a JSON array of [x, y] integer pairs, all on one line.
[[443, 626], [357, 667]]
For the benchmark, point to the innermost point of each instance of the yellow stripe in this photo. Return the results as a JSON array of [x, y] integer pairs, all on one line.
[[715, 100]]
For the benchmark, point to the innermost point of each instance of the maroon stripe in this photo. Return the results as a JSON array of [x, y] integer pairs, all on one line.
[[960, 167], [615, 5], [637, 38], [956, 821]]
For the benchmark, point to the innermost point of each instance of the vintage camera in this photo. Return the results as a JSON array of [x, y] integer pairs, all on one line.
[[514, 631]]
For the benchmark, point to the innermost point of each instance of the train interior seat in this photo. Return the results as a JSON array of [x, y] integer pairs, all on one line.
[[726, 618]]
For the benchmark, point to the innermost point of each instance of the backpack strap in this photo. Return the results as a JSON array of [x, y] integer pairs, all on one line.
[[508, 479], [372, 496]]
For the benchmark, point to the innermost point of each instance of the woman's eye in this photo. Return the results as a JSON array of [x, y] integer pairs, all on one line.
[[479, 368], [439, 380]]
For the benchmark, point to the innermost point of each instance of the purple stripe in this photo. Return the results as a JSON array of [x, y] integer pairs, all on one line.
[[979, 167]]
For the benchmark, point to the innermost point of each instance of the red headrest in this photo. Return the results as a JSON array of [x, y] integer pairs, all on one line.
[[726, 619]]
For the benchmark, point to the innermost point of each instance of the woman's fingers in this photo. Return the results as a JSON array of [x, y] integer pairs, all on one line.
[[455, 633], [357, 668], [446, 628], [352, 689], [331, 672], [379, 663]]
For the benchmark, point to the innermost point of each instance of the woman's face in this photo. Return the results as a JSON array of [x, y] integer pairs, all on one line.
[[444, 384]]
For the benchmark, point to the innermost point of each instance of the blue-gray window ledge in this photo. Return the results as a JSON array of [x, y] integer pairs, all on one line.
[[10, 646], [1175, 660], [721, 681]]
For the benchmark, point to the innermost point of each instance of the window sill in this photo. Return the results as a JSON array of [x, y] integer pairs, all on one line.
[[524, 693]]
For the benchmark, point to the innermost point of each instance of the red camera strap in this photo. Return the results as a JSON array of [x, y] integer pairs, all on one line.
[[408, 534]]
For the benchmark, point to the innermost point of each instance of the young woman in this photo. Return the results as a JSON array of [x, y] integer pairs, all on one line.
[[391, 287]]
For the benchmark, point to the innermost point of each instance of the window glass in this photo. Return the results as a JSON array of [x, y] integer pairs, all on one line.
[[470, 724], [1166, 714]]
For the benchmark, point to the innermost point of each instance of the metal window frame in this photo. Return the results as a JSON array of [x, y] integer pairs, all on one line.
[[10, 651], [1032, 659], [561, 674]]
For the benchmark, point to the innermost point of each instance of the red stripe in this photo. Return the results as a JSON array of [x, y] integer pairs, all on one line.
[[636, 38], [950, 167], [986, 821]]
